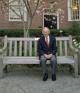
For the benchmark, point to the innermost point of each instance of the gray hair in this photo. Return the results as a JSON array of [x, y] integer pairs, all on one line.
[[46, 29]]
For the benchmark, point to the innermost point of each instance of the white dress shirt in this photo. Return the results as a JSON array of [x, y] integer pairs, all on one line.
[[48, 39]]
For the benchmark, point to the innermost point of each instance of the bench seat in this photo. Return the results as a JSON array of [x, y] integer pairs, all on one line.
[[35, 60]]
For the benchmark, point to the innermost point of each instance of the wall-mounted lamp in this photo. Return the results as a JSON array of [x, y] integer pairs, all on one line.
[[74, 7]]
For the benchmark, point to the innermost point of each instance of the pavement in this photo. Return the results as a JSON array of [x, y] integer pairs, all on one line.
[[30, 81]]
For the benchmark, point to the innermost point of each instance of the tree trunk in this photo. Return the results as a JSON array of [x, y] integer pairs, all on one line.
[[28, 26]]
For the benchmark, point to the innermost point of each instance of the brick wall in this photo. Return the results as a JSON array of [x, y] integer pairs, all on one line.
[[37, 21]]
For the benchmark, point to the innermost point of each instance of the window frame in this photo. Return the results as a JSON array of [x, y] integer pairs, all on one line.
[[69, 11], [15, 19], [50, 13]]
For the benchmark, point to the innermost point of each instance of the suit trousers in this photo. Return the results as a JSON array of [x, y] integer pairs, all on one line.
[[53, 62]]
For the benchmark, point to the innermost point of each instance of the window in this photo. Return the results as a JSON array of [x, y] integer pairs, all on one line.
[[50, 19], [74, 10], [17, 10]]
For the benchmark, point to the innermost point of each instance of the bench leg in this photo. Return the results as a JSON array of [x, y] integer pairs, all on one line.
[[70, 68], [75, 71], [5, 70], [1, 73], [1, 66], [76, 66]]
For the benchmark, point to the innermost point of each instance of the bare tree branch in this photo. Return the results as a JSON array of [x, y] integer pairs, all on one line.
[[27, 7], [35, 8], [11, 1], [22, 17], [30, 7], [7, 5]]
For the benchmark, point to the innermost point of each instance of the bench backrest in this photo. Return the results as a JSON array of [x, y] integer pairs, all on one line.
[[28, 46]]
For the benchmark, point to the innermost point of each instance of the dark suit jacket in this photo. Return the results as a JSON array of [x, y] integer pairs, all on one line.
[[44, 49]]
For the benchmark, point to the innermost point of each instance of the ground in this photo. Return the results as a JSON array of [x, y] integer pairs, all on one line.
[[29, 80]]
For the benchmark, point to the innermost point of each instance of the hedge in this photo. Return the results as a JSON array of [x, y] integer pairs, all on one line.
[[32, 32], [11, 32], [74, 30]]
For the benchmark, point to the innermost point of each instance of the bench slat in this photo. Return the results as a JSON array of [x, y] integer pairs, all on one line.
[[25, 48], [15, 48], [65, 46], [35, 39], [35, 60], [20, 48], [30, 48], [10, 48], [61, 53], [35, 46]]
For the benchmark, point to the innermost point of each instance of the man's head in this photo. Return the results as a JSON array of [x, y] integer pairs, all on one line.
[[45, 31]]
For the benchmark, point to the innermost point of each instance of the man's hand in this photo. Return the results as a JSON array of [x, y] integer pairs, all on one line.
[[48, 56]]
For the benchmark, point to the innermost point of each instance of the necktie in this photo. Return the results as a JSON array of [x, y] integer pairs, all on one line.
[[47, 41]]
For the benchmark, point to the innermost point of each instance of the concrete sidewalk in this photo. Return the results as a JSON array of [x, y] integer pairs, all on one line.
[[30, 81]]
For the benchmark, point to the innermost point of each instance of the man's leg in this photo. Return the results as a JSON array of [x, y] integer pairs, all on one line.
[[53, 66], [44, 67], [43, 64]]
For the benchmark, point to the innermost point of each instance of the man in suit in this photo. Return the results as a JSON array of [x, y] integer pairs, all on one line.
[[47, 51]]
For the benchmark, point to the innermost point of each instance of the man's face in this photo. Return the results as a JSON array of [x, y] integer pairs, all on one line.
[[46, 32]]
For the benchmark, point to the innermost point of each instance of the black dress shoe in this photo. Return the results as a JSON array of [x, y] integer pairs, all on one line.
[[45, 77], [53, 77]]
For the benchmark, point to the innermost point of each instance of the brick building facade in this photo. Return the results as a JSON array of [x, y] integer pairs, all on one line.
[[65, 5]]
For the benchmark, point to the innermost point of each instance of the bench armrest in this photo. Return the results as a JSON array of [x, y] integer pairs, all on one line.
[[2, 50], [74, 53], [73, 50]]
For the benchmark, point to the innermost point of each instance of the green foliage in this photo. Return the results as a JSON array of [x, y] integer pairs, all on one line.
[[74, 30], [35, 32], [11, 32], [32, 32]]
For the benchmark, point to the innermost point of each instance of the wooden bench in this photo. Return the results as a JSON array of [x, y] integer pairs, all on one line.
[[24, 51]]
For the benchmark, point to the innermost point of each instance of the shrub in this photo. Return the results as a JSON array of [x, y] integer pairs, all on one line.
[[32, 32], [11, 32], [74, 30]]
